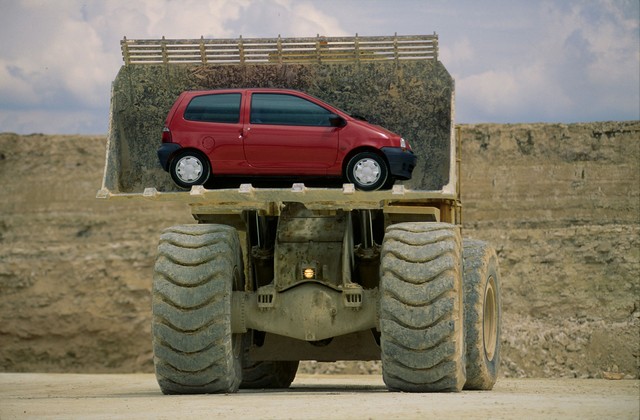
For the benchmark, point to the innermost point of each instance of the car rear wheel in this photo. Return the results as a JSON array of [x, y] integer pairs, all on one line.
[[367, 171], [190, 168]]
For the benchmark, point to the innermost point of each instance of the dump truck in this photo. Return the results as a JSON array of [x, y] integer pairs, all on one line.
[[272, 273]]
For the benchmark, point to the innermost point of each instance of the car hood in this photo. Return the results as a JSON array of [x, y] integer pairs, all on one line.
[[375, 128]]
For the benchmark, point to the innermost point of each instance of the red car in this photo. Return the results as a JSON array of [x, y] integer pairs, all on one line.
[[277, 132]]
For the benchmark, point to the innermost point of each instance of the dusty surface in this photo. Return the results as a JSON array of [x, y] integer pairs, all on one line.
[[561, 203], [349, 397]]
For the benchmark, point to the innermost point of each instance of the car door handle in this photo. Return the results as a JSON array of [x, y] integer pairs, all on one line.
[[245, 132]]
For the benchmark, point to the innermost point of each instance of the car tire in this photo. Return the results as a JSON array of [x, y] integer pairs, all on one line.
[[190, 168], [367, 171]]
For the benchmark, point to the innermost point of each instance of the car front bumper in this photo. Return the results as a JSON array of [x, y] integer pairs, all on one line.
[[401, 162]]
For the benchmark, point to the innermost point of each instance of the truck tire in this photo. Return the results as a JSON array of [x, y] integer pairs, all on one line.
[[268, 375], [483, 314], [194, 351], [421, 326]]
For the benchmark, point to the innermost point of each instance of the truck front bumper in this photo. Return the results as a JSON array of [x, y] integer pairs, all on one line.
[[401, 162]]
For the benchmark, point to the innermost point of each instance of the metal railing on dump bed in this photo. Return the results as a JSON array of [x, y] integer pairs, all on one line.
[[279, 50]]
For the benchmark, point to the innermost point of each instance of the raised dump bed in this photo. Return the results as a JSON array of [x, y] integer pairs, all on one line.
[[406, 90]]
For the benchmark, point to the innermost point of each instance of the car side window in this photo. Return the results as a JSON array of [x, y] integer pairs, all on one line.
[[283, 109], [218, 108]]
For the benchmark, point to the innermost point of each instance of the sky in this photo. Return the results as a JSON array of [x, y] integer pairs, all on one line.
[[514, 61]]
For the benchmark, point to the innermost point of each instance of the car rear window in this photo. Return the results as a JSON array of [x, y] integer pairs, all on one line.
[[283, 109], [218, 108]]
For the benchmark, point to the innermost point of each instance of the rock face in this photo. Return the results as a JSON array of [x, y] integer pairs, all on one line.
[[561, 204]]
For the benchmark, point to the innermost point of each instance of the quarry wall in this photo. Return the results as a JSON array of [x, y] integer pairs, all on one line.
[[560, 202]]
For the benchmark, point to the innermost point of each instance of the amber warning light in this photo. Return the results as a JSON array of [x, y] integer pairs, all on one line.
[[309, 273]]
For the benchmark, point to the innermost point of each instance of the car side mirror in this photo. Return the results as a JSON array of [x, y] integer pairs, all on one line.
[[337, 121]]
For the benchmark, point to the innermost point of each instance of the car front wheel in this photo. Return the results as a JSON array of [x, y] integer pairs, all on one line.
[[367, 171]]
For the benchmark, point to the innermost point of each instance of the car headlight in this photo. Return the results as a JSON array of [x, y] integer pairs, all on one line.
[[403, 144]]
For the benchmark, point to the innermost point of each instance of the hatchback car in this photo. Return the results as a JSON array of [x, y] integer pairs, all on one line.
[[277, 132]]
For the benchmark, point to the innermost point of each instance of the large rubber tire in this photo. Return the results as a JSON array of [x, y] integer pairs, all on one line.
[[367, 171], [265, 374], [190, 168], [194, 350], [421, 325], [268, 375], [483, 314]]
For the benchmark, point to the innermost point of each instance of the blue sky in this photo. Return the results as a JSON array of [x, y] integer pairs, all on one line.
[[513, 60]]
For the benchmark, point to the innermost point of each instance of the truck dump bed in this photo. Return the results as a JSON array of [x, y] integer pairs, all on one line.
[[396, 82]]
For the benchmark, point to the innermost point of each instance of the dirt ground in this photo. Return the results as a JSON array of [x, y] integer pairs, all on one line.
[[561, 204], [350, 397]]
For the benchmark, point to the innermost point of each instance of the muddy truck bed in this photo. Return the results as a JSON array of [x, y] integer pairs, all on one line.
[[395, 82]]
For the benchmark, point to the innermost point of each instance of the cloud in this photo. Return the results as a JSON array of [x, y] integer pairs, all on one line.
[[170, 18], [68, 52], [513, 61], [60, 63], [309, 21], [580, 64], [460, 53], [54, 121], [598, 57], [521, 94], [288, 18]]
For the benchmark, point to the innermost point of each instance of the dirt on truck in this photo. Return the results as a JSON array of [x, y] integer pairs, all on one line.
[[268, 275]]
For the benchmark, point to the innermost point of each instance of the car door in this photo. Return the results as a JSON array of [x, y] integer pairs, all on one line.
[[288, 134], [213, 124]]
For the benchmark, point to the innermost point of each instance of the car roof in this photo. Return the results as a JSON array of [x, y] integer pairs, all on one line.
[[240, 90]]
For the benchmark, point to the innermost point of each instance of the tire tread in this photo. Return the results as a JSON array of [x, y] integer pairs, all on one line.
[[421, 308], [191, 302]]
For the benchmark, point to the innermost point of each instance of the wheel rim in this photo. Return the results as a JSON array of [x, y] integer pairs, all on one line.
[[189, 169], [490, 320], [367, 171]]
